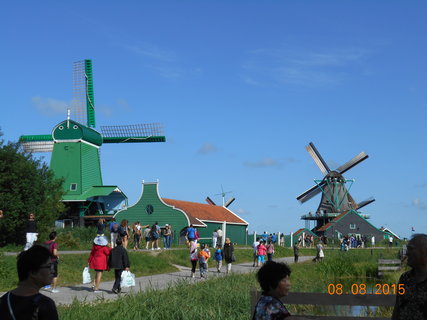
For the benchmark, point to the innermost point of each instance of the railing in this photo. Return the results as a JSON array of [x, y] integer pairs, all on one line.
[[325, 299], [388, 265]]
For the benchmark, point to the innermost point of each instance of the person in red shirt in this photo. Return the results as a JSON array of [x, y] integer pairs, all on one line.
[[261, 252], [98, 260], [53, 248]]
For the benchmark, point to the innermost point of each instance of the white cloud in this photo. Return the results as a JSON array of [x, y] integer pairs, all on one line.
[[149, 50], [302, 67], [263, 163], [418, 203], [50, 106], [122, 104], [207, 148], [242, 211]]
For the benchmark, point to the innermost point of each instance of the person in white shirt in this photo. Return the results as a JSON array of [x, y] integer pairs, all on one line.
[[220, 235], [214, 238], [255, 246]]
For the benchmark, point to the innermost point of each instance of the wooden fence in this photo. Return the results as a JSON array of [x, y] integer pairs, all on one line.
[[388, 265], [325, 299]]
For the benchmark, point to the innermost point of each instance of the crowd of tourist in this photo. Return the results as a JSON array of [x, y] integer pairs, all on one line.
[[37, 267]]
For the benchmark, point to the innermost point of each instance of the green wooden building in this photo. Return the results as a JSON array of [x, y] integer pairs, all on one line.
[[151, 208]]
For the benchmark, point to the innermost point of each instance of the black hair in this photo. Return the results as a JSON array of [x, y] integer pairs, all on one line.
[[270, 274], [31, 260], [52, 235], [119, 241]]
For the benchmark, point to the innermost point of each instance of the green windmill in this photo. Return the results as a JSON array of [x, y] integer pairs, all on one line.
[[75, 147]]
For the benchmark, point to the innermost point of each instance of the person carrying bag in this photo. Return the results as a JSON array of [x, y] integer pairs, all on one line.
[[119, 261]]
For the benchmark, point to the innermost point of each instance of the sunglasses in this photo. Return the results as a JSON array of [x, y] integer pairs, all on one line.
[[48, 266]]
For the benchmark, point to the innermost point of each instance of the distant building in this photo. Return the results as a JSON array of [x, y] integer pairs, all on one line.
[[290, 240], [388, 231], [350, 223], [151, 207]]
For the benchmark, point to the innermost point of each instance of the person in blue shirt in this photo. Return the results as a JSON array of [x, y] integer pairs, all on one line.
[[274, 238], [191, 233], [219, 256], [114, 231]]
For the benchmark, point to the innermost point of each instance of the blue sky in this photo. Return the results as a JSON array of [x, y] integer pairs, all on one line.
[[241, 88]]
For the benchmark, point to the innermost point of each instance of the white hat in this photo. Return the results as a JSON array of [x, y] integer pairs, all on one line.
[[166, 225], [100, 241]]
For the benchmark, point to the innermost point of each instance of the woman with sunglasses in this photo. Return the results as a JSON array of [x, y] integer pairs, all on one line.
[[35, 270]]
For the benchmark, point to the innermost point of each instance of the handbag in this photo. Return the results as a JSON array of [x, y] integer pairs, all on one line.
[[86, 276], [127, 279]]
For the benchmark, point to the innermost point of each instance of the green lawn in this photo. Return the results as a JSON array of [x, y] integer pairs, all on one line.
[[229, 297], [143, 263]]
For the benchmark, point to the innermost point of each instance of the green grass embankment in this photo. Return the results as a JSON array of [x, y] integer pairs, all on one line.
[[143, 263], [229, 297]]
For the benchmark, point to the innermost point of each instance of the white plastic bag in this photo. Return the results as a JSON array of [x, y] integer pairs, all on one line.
[[86, 276], [128, 279]]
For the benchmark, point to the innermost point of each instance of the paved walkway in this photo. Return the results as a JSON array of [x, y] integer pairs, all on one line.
[[84, 292]]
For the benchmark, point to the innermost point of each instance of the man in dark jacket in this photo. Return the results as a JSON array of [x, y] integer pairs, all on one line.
[[118, 261]]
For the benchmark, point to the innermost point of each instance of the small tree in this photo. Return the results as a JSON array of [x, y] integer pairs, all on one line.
[[26, 185]]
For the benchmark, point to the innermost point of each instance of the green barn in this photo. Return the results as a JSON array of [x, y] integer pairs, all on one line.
[[180, 214]]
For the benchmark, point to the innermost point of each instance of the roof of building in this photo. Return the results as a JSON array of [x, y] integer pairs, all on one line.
[[305, 230], [94, 191], [339, 217], [199, 212], [387, 230], [328, 225]]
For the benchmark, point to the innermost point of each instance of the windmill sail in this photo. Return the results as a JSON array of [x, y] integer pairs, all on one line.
[[37, 143], [83, 104], [149, 132]]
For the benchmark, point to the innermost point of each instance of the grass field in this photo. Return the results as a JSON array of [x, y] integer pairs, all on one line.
[[228, 297], [143, 263]]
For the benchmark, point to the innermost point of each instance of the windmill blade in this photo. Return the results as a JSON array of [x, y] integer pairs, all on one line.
[[310, 193], [365, 202], [210, 201], [83, 105], [230, 201], [36, 143], [149, 132], [317, 158], [353, 162]]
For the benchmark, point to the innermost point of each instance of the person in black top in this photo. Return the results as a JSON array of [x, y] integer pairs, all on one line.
[[25, 302], [118, 261], [31, 231], [100, 227], [411, 300]]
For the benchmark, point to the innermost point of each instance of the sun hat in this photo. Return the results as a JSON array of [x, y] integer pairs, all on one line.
[[100, 241]]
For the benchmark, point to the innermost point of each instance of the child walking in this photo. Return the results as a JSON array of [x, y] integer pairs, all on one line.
[[219, 256], [261, 252], [203, 261]]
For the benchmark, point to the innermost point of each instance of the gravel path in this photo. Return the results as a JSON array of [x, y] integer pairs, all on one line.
[[83, 292]]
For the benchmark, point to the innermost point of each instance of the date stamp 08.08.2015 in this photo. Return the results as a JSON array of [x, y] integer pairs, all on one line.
[[362, 288]]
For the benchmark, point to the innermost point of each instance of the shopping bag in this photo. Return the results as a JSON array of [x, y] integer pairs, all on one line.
[[128, 279], [86, 275]]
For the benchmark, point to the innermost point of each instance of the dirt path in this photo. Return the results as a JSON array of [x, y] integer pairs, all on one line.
[[84, 292]]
